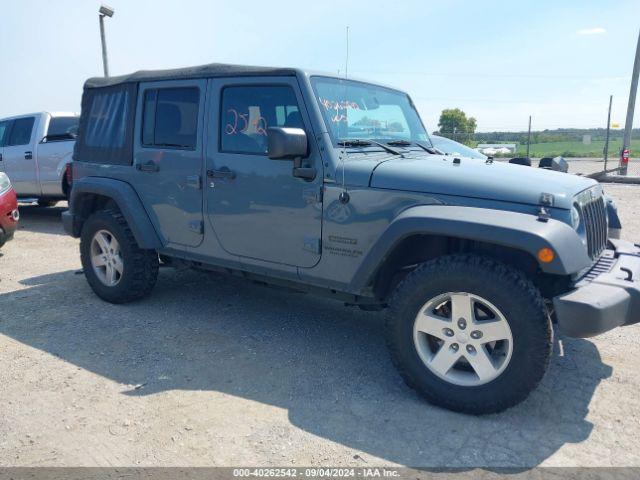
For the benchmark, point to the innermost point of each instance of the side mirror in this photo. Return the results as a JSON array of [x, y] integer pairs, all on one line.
[[286, 143], [290, 144]]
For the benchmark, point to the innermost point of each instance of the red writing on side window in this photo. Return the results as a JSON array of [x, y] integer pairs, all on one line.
[[240, 123]]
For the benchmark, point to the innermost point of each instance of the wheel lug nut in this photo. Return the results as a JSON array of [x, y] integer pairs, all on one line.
[[448, 332], [454, 347], [471, 349], [476, 334], [462, 323]]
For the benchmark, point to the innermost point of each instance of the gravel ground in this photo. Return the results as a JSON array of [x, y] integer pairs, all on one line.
[[217, 371]]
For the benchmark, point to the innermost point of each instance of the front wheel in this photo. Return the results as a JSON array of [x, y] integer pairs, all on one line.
[[469, 333], [117, 269]]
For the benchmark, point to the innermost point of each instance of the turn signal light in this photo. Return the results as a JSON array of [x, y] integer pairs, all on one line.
[[546, 255]]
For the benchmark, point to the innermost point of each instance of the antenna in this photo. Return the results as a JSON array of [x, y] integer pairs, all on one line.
[[346, 60], [344, 196]]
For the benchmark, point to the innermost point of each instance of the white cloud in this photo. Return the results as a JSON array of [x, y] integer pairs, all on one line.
[[592, 31]]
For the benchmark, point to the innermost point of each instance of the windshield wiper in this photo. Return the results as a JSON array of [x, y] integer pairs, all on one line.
[[175, 145], [399, 143], [358, 142], [355, 142], [407, 143]]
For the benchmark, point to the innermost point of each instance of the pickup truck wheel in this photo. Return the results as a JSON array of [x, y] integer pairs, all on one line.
[[117, 269], [469, 333]]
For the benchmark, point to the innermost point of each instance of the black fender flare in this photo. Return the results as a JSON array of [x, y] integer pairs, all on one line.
[[510, 229], [125, 198]]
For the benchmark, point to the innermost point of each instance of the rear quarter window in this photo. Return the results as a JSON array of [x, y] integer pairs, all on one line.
[[105, 131]]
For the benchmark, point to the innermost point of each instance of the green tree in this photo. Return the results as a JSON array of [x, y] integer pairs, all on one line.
[[455, 124]]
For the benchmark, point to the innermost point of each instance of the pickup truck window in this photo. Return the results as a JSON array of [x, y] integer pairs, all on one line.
[[248, 111], [357, 110], [3, 129], [170, 118], [62, 128], [20, 131]]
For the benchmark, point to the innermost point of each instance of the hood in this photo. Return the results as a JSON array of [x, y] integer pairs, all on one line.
[[475, 178]]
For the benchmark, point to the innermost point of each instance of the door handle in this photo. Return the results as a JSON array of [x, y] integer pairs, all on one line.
[[224, 172], [148, 167], [28, 155]]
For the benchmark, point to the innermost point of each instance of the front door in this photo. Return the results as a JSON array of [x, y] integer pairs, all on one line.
[[255, 205], [18, 156], [168, 158]]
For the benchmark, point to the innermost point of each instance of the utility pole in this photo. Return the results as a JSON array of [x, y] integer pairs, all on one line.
[[606, 141], [529, 137], [104, 12], [626, 143]]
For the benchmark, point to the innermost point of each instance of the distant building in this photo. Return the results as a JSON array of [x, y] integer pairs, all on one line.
[[493, 148]]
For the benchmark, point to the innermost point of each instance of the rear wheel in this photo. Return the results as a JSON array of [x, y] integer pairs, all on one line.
[[117, 269], [469, 333]]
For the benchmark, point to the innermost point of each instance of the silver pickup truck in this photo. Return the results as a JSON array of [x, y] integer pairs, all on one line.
[[35, 150]]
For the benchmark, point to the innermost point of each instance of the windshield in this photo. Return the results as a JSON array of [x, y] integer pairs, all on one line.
[[451, 147], [356, 110]]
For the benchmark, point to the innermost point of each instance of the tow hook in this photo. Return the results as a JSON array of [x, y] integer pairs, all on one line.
[[628, 272]]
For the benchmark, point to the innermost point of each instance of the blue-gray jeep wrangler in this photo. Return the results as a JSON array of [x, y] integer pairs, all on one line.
[[332, 186]]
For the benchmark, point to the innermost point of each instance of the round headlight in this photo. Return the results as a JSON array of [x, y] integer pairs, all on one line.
[[575, 217]]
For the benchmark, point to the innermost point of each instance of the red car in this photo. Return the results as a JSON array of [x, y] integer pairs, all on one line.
[[8, 210]]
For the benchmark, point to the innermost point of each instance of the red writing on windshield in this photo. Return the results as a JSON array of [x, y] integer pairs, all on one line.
[[338, 106]]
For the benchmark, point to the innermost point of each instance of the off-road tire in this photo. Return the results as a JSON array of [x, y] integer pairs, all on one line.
[[506, 288], [140, 270]]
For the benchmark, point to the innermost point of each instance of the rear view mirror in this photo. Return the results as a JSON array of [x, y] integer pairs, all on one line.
[[558, 164], [286, 143]]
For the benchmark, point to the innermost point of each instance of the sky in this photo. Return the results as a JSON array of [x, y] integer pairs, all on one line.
[[499, 61]]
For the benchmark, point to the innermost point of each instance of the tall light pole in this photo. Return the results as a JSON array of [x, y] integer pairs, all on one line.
[[104, 12], [628, 125]]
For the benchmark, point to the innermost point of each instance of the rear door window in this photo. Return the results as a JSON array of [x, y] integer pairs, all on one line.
[[20, 133], [170, 118]]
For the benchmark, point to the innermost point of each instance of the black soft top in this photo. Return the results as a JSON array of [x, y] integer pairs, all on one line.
[[202, 71]]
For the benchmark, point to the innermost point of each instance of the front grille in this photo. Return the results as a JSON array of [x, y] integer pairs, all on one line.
[[594, 214]]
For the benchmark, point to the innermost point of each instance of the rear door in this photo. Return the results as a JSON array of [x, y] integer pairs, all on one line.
[[18, 156], [168, 157]]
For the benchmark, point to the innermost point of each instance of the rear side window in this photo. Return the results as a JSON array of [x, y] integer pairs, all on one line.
[[105, 130], [106, 121], [62, 128], [247, 113], [20, 132], [170, 118]]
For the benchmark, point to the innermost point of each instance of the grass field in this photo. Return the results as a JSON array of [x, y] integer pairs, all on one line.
[[576, 149]]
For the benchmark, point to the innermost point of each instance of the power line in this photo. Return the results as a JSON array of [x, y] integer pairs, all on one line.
[[493, 75]]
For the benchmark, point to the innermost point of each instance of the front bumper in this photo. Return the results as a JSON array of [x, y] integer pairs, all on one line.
[[606, 297], [8, 216]]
